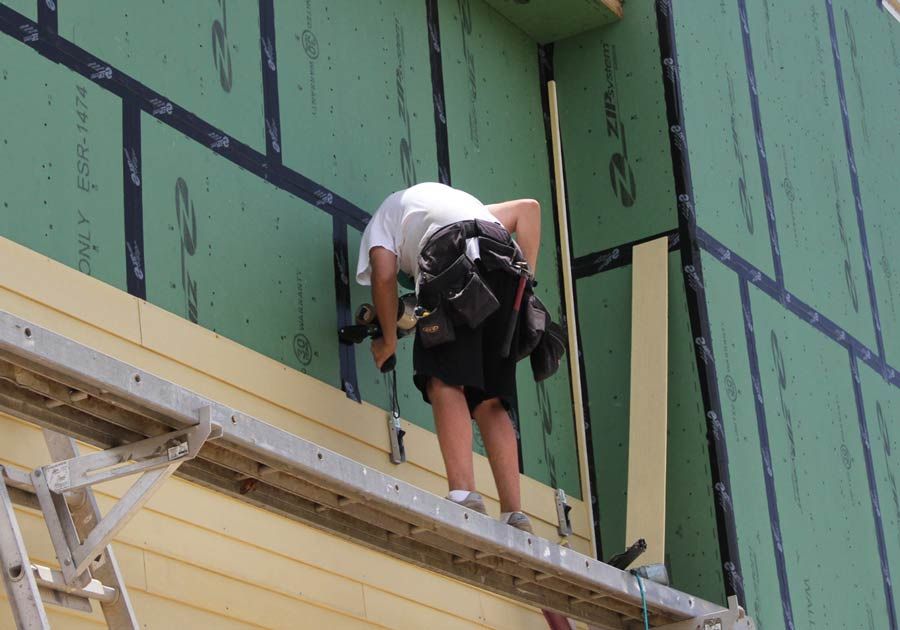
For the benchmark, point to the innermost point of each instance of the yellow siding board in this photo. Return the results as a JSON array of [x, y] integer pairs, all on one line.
[[30, 274], [60, 618], [402, 614], [232, 598], [159, 613]]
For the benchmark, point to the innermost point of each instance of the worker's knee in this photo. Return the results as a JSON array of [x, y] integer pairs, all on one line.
[[437, 387], [490, 408]]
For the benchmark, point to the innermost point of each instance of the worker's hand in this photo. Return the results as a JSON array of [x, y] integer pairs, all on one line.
[[382, 350]]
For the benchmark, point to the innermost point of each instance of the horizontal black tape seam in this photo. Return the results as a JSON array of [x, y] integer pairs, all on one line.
[[618, 256], [766, 457], [695, 294], [78, 60]]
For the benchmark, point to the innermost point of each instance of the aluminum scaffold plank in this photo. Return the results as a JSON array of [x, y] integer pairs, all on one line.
[[70, 388]]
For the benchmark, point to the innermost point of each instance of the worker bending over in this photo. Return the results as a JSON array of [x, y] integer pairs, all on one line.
[[468, 273]]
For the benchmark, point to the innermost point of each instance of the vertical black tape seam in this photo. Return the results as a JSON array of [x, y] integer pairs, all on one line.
[[696, 300], [135, 268], [346, 352], [437, 91], [270, 80], [107, 77], [545, 75], [766, 455], [873, 491], [854, 180], [48, 17], [753, 88]]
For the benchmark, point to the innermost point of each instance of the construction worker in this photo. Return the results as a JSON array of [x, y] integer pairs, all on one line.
[[466, 270]]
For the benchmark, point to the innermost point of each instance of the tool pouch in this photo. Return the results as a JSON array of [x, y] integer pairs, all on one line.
[[498, 256], [474, 303], [533, 320], [435, 328]]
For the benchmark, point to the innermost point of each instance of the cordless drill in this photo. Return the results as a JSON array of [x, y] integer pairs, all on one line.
[[368, 327]]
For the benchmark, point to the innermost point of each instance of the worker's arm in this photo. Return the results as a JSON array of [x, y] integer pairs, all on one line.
[[384, 296], [522, 217]]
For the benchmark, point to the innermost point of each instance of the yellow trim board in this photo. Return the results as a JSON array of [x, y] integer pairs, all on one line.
[[648, 420], [571, 315], [66, 301]]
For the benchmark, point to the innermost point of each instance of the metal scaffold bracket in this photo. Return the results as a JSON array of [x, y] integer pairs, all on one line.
[[156, 458]]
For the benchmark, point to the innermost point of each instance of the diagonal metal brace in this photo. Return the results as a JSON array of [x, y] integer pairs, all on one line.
[[156, 458]]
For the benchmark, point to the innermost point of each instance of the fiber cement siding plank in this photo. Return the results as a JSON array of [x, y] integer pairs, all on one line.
[[399, 613], [37, 278]]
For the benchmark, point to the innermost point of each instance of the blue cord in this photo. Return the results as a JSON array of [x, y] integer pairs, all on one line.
[[643, 600]]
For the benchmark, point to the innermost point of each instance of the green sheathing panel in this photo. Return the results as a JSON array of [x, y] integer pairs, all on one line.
[[869, 43], [827, 527], [28, 8], [728, 194], [550, 20], [498, 151], [882, 406], [745, 462], [355, 89], [203, 54], [613, 122], [237, 255], [692, 552], [807, 156], [61, 159]]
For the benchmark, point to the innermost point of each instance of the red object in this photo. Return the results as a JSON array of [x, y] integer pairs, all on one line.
[[557, 621]]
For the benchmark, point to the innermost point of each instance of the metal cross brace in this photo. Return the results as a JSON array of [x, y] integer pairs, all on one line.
[[156, 458]]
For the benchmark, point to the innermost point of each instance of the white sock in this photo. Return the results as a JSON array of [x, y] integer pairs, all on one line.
[[458, 495], [504, 516]]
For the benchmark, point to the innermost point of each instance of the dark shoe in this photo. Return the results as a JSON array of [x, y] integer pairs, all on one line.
[[473, 501]]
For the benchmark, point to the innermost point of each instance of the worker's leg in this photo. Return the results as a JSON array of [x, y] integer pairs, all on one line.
[[500, 441], [454, 431]]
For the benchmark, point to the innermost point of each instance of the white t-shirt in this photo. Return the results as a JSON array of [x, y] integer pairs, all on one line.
[[405, 221]]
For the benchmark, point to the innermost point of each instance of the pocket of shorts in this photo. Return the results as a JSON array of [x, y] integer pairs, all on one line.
[[435, 328], [475, 303]]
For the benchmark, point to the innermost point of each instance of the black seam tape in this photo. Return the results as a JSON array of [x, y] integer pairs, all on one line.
[[753, 87], [795, 305], [48, 20], [696, 301], [854, 179], [618, 256], [437, 90], [135, 269], [68, 54], [270, 80], [766, 455], [873, 491], [347, 352]]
